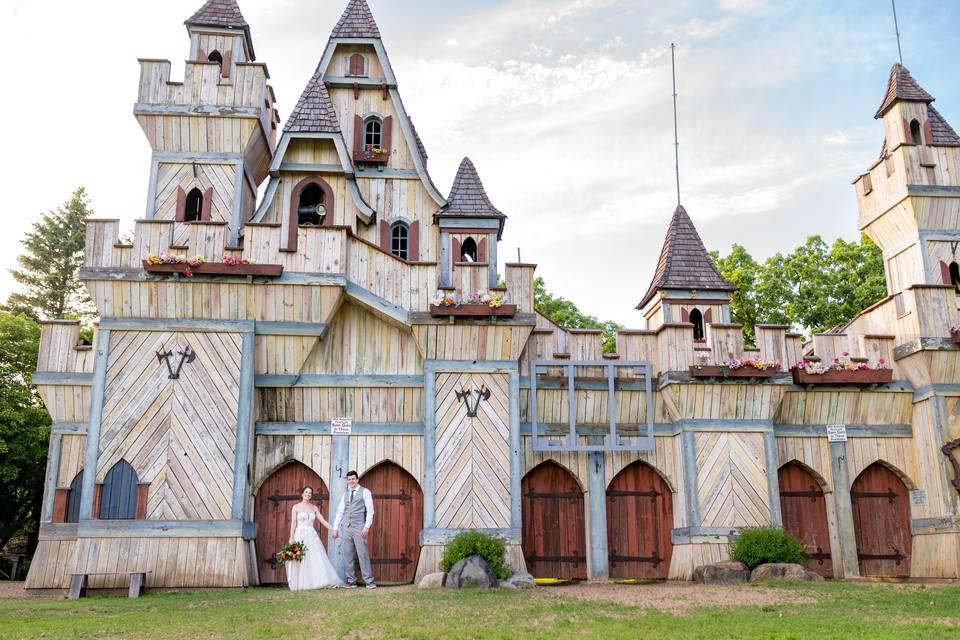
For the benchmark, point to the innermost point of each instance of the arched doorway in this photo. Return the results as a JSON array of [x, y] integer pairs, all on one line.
[[394, 541], [804, 510], [881, 522], [639, 520], [554, 535], [274, 501]]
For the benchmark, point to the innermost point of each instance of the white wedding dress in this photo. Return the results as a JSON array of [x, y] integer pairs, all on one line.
[[315, 571]]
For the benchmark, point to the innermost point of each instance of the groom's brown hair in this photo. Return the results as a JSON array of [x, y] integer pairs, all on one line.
[[354, 474]]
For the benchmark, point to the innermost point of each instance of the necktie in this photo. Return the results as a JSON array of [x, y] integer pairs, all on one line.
[[351, 494]]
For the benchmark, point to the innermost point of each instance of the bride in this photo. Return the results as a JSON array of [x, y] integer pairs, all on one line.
[[315, 571]]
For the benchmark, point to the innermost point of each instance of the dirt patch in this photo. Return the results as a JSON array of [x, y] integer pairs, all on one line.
[[12, 590], [681, 597]]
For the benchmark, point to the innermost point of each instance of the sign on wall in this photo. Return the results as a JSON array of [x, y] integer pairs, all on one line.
[[836, 433], [341, 426]]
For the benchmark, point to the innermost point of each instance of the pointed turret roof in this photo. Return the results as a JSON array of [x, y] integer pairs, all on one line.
[[356, 22], [684, 262], [468, 197], [902, 86], [224, 14], [942, 133], [314, 112]]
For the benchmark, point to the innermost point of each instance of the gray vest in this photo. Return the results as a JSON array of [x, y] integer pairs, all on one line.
[[354, 513]]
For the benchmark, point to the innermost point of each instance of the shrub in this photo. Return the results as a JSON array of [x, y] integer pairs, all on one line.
[[767, 544], [474, 543]]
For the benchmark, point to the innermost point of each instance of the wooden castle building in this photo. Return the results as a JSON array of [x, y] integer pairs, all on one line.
[[353, 288]]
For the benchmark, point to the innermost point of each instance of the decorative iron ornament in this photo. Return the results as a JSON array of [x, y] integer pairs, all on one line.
[[947, 450], [187, 355], [482, 394]]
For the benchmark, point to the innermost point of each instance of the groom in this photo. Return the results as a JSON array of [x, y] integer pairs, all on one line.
[[355, 515]]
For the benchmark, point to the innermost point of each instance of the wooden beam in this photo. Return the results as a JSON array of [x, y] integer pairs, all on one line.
[[597, 506], [50, 478], [71, 428], [516, 518], [58, 531], [377, 305], [165, 529], [199, 110], [429, 450], [306, 329], [688, 453], [62, 379], [305, 167], [340, 381], [853, 430], [175, 324], [465, 366], [444, 536], [244, 450], [339, 466], [773, 478], [849, 567], [323, 428], [92, 453]]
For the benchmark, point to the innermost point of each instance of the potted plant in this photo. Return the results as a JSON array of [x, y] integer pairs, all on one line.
[[842, 370], [189, 267], [734, 368], [478, 304]]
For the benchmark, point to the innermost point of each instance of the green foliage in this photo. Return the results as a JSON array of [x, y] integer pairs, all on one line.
[[814, 288], [475, 543], [50, 266], [24, 428], [760, 545], [566, 314]]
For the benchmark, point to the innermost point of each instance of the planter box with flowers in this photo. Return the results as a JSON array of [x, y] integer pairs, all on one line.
[[197, 266], [843, 370], [748, 368], [372, 154], [474, 305]]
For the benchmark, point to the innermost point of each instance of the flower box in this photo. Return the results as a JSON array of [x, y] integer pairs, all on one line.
[[368, 155], [714, 371], [472, 311], [217, 269], [857, 376]]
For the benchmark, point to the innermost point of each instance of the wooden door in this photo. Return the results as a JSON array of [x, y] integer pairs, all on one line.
[[881, 522], [273, 504], [804, 510], [639, 520], [554, 535], [394, 541]]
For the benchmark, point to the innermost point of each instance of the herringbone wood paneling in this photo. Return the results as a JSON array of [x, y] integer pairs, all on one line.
[[731, 480]]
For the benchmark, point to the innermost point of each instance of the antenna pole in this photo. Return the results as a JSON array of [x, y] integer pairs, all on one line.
[[896, 28], [676, 139]]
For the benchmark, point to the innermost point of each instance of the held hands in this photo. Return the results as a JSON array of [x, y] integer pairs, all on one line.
[[336, 534], [365, 532]]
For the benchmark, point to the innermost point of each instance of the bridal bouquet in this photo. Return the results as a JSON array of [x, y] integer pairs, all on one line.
[[295, 551]]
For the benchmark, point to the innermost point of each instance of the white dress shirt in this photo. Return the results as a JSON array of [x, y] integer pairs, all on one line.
[[362, 494]]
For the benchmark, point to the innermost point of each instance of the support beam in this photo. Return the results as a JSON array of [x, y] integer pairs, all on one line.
[[688, 452], [429, 450], [841, 495], [244, 448], [773, 478], [96, 415], [597, 504], [515, 469], [50, 479], [339, 466]]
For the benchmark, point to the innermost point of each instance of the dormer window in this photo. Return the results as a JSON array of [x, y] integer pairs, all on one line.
[[696, 318], [357, 65], [400, 240], [372, 133], [468, 250], [193, 212], [311, 208], [915, 137]]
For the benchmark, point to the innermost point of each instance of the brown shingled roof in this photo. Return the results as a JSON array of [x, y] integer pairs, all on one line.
[[421, 149], [224, 14], [467, 196], [684, 262], [902, 86], [356, 22], [314, 112], [943, 133]]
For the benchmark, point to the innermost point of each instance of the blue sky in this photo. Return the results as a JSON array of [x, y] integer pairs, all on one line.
[[564, 106]]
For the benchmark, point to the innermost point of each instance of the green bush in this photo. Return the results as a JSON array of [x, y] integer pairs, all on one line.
[[767, 544], [474, 543]]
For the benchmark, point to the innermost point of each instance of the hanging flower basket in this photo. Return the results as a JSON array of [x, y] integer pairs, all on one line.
[[199, 268], [472, 311]]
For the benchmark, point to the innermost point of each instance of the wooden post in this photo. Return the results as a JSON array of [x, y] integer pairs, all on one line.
[[841, 495], [773, 478], [516, 518], [446, 261], [429, 450], [50, 479], [241, 458], [597, 496], [339, 466], [688, 452], [492, 259], [96, 415]]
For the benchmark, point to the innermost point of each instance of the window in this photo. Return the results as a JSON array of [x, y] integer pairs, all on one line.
[[955, 276], [372, 133], [311, 208], [400, 240], [215, 57], [697, 319], [356, 65], [915, 132], [194, 209], [468, 250], [118, 499], [73, 501]]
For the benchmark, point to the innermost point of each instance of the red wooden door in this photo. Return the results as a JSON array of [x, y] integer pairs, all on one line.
[[881, 522], [804, 510], [272, 507], [554, 535], [639, 520], [394, 542]]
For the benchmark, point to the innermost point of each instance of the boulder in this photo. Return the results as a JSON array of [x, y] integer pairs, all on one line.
[[722, 573], [519, 580], [471, 573], [432, 580], [813, 576], [778, 571]]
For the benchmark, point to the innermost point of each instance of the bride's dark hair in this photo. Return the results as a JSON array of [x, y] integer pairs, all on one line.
[[305, 488]]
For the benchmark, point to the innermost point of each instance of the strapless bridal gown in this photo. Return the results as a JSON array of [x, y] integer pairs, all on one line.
[[315, 571]]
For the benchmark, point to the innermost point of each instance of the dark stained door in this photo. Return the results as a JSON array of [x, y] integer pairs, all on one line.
[[274, 501], [394, 541], [881, 521], [554, 536], [804, 510], [639, 520]]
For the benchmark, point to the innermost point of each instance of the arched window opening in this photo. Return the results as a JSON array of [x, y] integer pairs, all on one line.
[[915, 132], [73, 501], [118, 498], [400, 240], [215, 57], [955, 276], [357, 65], [372, 134], [194, 209], [311, 208], [697, 319], [468, 250]]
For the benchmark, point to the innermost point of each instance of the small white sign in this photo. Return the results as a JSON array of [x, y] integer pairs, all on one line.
[[918, 498], [341, 426], [836, 433]]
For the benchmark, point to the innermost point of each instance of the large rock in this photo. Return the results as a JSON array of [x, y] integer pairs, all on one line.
[[432, 580], [519, 580], [471, 573], [722, 573], [779, 571]]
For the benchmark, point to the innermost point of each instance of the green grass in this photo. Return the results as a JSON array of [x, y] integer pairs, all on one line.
[[840, 611]]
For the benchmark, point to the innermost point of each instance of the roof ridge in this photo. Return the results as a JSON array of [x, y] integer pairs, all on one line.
[[314, 112], [901, 86], [356, 22]]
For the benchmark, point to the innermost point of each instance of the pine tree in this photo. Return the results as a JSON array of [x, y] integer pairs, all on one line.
[[50, 267]]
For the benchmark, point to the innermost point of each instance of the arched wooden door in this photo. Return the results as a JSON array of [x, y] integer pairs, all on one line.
[[639, 520], [394, 541], [804, 510], [554, 536], [272, 507], [881, 522]]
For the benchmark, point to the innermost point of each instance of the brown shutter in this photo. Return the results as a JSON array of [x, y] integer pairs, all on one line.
[[201, 55], [225, 65], [356, 65], [945, 272], [205, 207], [181, 203], [456, 250], [143, 490], [707, 317], [927, 133], [482, 250], [60, 501], [357, 136], [684, 315], [387, 136], [907, 136], [385, 236], [97, 494], [413, 242]]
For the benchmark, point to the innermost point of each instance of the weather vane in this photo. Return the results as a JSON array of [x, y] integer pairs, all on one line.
[[676, 138]]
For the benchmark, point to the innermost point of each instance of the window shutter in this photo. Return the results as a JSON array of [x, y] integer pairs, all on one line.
[[456, 251], [927, 133], [205, 208], [60, 501], [143, 491], [945, 273], [684, 315], [97, 496], [225, 65], [385, 236], [707, 317], [482, 250], [356, 65], [413, 243], [907, 136], [201, 55], [181, 204], [387, 135], [357, 136]]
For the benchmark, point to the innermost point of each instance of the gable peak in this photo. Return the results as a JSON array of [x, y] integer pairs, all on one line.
[[356, 22]]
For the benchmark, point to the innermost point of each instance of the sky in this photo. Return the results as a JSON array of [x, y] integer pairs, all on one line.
[[563, 105]]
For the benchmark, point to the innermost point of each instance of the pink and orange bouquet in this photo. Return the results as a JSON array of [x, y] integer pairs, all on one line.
[[295, 552]]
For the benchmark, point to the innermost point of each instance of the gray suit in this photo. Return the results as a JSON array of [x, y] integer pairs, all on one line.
[[352, 517]]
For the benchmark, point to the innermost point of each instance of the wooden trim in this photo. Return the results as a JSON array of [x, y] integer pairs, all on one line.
[[516, 470], [216, 269], [62, 379], [328, 201], [318, 329], [853, 430], [97, 497], [181, 204], [89, 503], [165, 529], [347, 381], [464, 366], [688, 452], [70, 428], [206, 204], [697, 301], [176, 324], [323, 428], [848, 566], [245, 427], [429, 482], [597, 515], [773, 479]]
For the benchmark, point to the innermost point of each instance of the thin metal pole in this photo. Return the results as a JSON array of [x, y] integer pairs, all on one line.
[[676, 138], [896, 27]]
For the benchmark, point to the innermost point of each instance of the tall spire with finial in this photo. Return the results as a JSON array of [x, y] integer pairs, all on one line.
[[676, 137], [896, 28]]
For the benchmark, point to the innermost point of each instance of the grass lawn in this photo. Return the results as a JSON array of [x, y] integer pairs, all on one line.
[[830, 610]]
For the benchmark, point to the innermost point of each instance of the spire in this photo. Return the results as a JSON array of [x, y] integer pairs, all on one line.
[[223, 14], [314, 112], [902, 86], [356, 22], [684, 262], [467, 196]]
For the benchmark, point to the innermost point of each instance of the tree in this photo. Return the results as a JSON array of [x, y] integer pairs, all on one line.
[[24, 429], [566, 314], [49, 269]]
